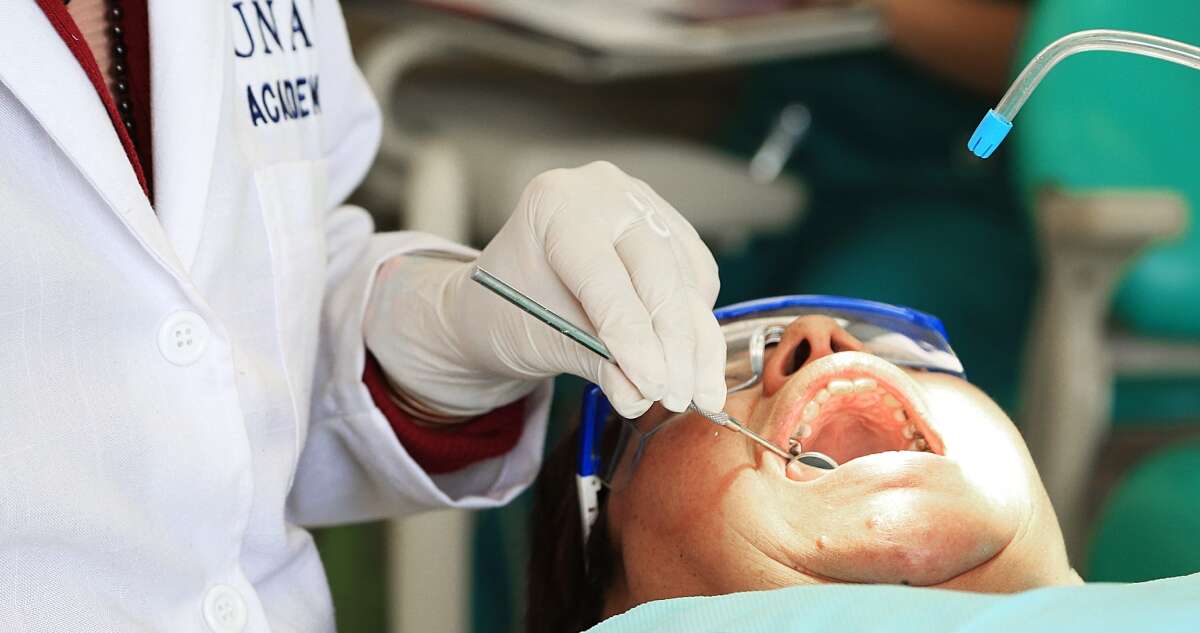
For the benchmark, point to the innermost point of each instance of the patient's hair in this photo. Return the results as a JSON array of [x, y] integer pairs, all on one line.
[[562, 596]]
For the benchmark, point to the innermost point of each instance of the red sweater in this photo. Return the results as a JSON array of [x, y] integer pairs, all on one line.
[[437, 450]]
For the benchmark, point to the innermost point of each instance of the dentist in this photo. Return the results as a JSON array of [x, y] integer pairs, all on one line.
[[203, 349]]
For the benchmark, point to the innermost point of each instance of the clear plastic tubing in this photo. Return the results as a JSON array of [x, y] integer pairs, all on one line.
[[1097, 40], [997, 123]]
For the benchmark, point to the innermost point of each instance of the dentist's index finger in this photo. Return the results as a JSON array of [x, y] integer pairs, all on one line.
[[699, 276], [591, 269], [654, 269], [703, 266]]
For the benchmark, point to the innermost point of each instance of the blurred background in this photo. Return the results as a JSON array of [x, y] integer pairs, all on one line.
[[820, 147]]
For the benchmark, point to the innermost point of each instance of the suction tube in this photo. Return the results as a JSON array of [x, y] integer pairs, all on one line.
[[998, 121]]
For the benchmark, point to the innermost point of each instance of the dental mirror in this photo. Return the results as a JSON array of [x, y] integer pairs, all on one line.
[[817, 460]]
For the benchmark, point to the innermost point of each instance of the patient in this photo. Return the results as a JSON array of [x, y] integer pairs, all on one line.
[[935, 488]]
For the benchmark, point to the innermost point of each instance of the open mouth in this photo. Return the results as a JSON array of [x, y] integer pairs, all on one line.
[[853, 404]]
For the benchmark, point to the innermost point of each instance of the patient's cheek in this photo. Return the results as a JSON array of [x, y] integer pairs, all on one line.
[[679, 514], [687, 470]]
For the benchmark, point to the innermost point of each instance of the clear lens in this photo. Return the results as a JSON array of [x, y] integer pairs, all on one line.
[[623, 448], [741, 345], [893, 339], [906, 345]]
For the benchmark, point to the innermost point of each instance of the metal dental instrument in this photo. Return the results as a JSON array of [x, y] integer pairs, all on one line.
[[815, 459], [540, 312], [571, 331], [720, 418]]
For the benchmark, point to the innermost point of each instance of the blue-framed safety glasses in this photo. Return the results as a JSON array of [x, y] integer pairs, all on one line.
[[903, 336]]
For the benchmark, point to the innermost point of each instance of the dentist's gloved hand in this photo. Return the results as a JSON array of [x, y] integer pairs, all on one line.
[[594, 245]]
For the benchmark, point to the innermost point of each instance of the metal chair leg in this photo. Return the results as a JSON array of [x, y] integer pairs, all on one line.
[[1068, 387], [1086, 240]]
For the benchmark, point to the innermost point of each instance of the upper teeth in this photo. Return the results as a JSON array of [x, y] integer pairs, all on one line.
[[841, 386], [864, 384]]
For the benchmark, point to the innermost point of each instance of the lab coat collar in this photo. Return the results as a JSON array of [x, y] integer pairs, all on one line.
[[187, 65], [38, 68]]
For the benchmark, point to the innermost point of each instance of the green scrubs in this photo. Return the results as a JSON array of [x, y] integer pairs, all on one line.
[[899, 210]]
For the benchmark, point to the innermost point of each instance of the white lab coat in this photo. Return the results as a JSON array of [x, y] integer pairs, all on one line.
[[180, 387]]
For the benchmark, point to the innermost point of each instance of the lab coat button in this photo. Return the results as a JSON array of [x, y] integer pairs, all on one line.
[[224, 610], [183, 337]]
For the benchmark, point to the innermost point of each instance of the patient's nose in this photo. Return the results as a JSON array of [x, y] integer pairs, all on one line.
[[806, 339]]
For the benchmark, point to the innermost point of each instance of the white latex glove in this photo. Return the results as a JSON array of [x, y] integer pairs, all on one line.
[[594, 245]]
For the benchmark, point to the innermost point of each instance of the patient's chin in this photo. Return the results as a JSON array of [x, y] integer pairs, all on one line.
[[927, 532], [918, 555]]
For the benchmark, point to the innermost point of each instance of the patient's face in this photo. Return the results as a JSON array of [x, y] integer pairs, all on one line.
[[935, 487]]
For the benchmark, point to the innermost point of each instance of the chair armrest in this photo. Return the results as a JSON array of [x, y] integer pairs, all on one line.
[[1113, 219], [1141, 356]]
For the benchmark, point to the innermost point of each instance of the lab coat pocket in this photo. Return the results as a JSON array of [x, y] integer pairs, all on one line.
[[292, 198]]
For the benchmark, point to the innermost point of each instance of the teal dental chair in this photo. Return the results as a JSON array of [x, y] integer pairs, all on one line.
[[1105, 155]]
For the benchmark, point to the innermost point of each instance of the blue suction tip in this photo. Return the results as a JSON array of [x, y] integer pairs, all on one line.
[[989, 135]]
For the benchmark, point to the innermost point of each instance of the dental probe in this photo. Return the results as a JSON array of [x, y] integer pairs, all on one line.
[[577, 334], [720, 418]]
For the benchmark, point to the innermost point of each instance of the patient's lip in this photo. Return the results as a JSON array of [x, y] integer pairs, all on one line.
[[798, 471]]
